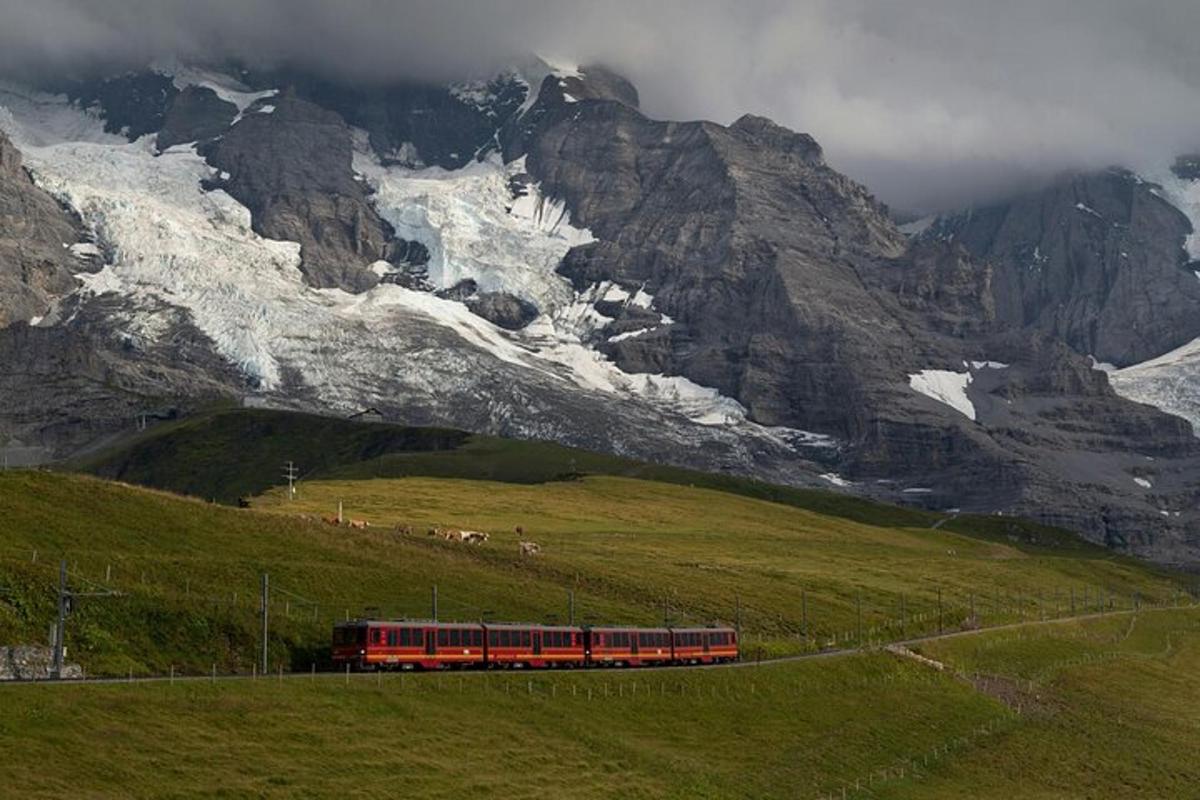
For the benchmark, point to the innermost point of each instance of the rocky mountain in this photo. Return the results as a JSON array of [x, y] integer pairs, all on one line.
[[1096, 260], [532, 255], [36, 236]]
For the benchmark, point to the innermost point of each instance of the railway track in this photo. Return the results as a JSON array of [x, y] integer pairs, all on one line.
[[743, 664]]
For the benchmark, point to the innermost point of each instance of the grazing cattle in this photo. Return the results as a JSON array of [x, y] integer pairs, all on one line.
[[330, 520], [519, 530], [359, 524], [530, 549], [474, 537]]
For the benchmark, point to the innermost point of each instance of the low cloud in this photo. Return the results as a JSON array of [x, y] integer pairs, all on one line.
[[930, 102]]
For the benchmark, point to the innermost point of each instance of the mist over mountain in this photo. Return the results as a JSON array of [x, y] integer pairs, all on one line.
[[932, 104]]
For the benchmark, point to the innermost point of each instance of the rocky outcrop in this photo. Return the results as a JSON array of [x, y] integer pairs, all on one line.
[[132, 105], [1187, 167], [32, 663], [196, 115], [1096, 260], [291, 167], [74, 384], [35, 235], [414, 124], [503, 309]]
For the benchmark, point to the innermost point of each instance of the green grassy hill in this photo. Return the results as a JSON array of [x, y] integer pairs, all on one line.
[[1098, 708], [629, 550], [227, 454]]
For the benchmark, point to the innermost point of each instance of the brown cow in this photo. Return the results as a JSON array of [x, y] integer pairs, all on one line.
[[330, 520]]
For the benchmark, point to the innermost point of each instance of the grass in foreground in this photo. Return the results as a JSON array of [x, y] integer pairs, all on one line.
[[1111, 712]]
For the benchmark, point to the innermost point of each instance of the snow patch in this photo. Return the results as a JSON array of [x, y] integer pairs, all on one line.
[[918, 226], [946, 387], [1185, 196], [978, 365], [226, 87], [835, 479], [620, 337], [1142, 482], [475, 229], [85, 250]]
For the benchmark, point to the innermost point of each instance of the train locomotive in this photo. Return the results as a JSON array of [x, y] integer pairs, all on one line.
[[371, 644]]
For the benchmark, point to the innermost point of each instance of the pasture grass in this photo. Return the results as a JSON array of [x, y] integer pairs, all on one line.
[[631, 551], [1111, 713]]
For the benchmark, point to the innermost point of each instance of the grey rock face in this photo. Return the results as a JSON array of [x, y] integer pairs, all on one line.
[[1187, 167], [197, 114], [292, 169], [745, 238], [415, 124], [35, 264], [503, 309], [1095, 260], [791, 290], [132, 105], [76, 383]]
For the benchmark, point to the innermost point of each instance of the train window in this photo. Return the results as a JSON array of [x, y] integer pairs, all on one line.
[[455, 638], [391, 637], [526, 639], [443, 638], [375, 634], [493, 638], [506, 638]]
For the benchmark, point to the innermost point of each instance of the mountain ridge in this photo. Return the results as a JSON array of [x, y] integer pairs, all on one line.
[[706, 295]]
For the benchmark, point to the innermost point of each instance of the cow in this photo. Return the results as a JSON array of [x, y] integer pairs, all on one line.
[[530, 549], [474, 537], [519, 530], [359, 524], [330, 520]]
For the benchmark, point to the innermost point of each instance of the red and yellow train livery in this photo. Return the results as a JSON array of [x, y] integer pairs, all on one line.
[[382, 644]]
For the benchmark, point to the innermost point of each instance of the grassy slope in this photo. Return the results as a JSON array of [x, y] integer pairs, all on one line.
[[230, 453], [1120, 725], [190, 570], [1115, 711]]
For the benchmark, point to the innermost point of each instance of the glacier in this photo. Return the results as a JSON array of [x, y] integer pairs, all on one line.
[[172, 244]]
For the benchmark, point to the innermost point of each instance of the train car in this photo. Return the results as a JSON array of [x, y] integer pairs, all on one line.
[[513, 645], [381, 644], [703, 645], [459, 645], [403, 644], [561, 646]]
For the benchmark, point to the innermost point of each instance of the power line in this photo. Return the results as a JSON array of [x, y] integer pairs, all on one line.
[[291, 473]]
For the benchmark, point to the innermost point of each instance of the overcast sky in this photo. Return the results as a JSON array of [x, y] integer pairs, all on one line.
[[929, 102]]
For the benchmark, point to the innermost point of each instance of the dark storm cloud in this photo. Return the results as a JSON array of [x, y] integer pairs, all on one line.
[[928, 101]]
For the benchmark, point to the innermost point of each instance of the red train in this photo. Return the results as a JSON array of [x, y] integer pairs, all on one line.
[[381, 644]]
